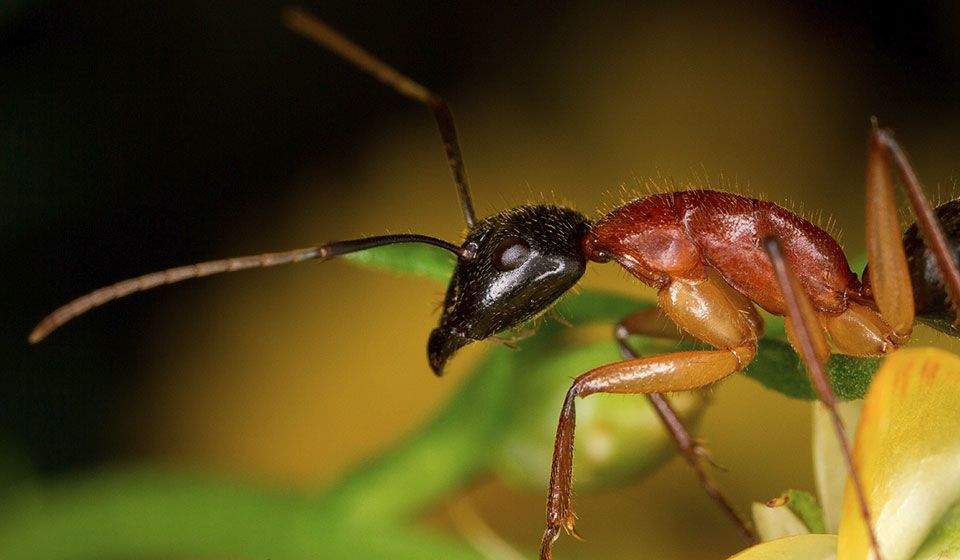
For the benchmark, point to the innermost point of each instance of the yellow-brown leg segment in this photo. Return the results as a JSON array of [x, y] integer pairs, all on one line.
[[859, 331], [652, 323], [808, 339], [707, 308]]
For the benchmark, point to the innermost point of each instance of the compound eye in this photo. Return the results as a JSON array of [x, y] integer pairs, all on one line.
[[510, 254]]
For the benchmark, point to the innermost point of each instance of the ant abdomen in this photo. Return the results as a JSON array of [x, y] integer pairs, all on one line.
[[930, 299]]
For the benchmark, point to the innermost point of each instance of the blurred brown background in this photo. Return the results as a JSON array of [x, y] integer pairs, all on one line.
[[136, 137]]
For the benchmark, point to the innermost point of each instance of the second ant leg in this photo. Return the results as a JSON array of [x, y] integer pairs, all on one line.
[[808, 339], [705, 307], [652, 323]]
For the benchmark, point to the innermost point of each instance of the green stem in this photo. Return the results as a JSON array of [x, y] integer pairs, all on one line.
[[146, 514], [445, 455]]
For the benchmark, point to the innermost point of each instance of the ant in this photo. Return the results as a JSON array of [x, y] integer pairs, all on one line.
[[713, 256]]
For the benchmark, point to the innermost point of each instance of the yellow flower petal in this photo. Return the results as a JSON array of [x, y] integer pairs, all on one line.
[[908, 454], [802, 547]]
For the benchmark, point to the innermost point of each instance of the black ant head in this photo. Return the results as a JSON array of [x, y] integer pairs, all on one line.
[[514, 265]]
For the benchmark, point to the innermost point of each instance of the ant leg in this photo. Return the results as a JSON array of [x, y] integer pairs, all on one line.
[[808, 338], [889, 278], [324, 35], [708, 309], [652, 323]]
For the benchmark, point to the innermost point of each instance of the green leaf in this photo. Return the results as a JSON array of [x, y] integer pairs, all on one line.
[[805, 506], [417, 259], [592, 306], [944, 540], [149, 514], [779, 368]]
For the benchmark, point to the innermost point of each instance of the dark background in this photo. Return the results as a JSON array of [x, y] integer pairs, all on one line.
[[137, 136]]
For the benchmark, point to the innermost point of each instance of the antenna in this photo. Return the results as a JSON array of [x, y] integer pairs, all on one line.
[[124, 288], [312, 28]]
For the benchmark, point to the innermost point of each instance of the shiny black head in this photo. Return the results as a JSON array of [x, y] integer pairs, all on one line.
[[515, 264]]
